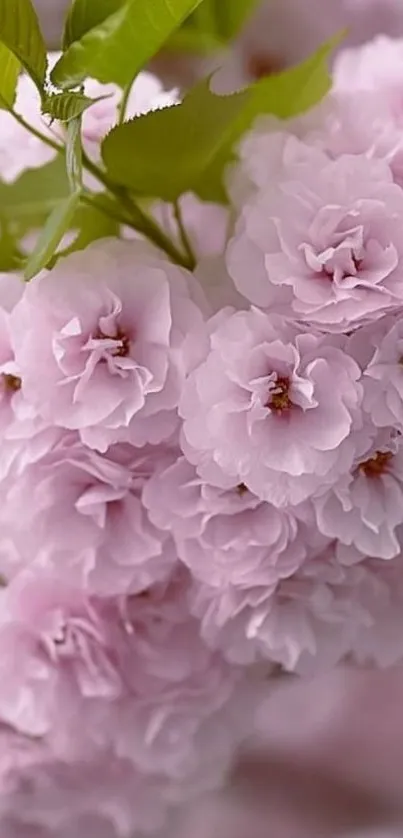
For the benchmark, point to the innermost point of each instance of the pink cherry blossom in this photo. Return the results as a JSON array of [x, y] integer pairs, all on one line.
[[271, 408], [42, 796], [111, 546], [226, 537], [376, 65], [19, 149], [357, 122], [379, 643], [104, 342], [383, 384], [307, 624], [11, 290], [345, 122], [188, 708], [369, 79], [275, 148], [55, 650], [24, 434], [322, 243], [364, 509], [133, 677]]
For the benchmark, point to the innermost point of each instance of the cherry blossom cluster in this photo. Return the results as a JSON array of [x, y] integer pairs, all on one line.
[[201, 474]]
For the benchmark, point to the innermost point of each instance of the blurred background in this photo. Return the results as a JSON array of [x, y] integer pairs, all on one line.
[[278, 32], [327, 755]]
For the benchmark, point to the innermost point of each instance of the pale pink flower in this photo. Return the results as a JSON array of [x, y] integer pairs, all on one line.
[[364, 510], [187, 710], [19, 149], [357, 122], [383, 381], [24, 434], [345, 122], [307, 624], [271, 408], [369, 92], [225, 537], [132, 676], [271, 150], [322, 244], [42, 796], [376, 65], [85, 518], [362, 343], [11, 291], [104, 342], [380, 643], [56, 651]]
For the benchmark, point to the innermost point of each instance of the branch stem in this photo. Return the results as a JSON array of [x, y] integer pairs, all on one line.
[[186, 243], [136, 217]]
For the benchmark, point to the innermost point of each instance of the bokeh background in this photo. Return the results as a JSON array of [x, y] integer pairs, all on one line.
[[326, 758]]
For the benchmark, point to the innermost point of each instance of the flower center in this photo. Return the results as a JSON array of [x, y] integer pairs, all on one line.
[[60, 638], [263, 64], [329, 271], [242, 489], [356, 262], [12, 382], [122, 342], [279, 400], [376, 465]]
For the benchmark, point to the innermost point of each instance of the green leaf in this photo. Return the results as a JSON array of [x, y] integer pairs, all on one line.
[[74, 162], [116, 49], [191, 40], [28, 201], [20, 33], [193, 134], [10, 257], [199, 136], [211, 26], [231, 16], [204, 17], [67, 106], [9, 70], [56, 226], [84, 15]]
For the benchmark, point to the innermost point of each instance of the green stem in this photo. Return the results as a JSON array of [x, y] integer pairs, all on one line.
[[184, 235], [125, 100], [38, 134], [140, 220], [110, 211], [137, 218]]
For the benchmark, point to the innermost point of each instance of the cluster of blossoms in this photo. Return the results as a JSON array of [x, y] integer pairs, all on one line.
[[201, 475]]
